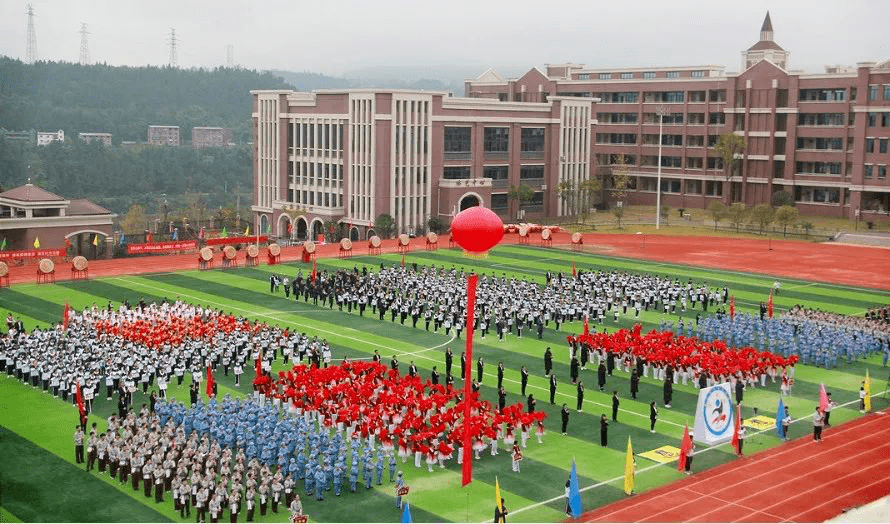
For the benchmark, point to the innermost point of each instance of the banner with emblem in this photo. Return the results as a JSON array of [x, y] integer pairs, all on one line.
[[662, 455], [760, 422], [714, 414]]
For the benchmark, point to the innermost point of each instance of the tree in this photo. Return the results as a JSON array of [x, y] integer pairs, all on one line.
[[665, 211], [786, 216], [568, 194], [728, 146], [737, 214], [436, 225], [134, 222], [384, 226], [762, 215], [718, 212], [782, 198], [620, 179], [522, 193], [618, 211], [587, 191], [806, 226]]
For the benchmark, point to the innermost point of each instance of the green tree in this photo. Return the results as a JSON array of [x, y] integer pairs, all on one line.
[[737, 214], [727, 147], [718, 212], [436, 225], [620, 179], [786, 216], [618, 213], [384, 226], [782, 198], [587, 191], [135, 221], [665, 212], [806, 226], [568, 194], [523, 194], [762, 216]]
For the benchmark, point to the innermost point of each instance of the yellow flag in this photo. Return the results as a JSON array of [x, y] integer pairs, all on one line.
[[629, 467], [36, 242], [247, 231], [867, 391], [497, 496], [96, 240]]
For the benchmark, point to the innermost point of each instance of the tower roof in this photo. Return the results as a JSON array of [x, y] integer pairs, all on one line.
[[767, 23]]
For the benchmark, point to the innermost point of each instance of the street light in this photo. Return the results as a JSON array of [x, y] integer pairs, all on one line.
[[661, 110]]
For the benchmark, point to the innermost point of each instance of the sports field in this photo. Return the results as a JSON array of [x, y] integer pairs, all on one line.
[[40, 482]]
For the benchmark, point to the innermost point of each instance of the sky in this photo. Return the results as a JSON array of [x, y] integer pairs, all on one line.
[[337, 37]]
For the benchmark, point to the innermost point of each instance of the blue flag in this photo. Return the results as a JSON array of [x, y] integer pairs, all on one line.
[[176, 234], [406, 515], [122, 238], [574, 493], [780, 414]]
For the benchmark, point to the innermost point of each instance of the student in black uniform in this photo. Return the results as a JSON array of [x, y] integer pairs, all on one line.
[[580, 395], [565, 418], [615, 404], [604, 430]]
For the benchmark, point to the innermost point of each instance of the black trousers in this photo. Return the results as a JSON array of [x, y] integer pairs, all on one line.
[[604, 438], [817, 432], [78, 454], [652, 424]]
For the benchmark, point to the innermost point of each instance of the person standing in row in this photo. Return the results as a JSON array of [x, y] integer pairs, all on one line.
[[828, 407], [818, 421], [580, 389], [552, 388], [653, 416], [523, 373], [565, 418], [634, 384], [601, 376], [548, 361], [689, 459], [78, 445], [742, 434], [604, 430], [786, 422], [480, 366], [500, 512], [615, 404]]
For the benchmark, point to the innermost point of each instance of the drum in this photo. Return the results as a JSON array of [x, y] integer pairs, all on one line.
[[206, 254], [576, 238], [523, 231], [309, 247], [46, 266], [545, 234], [374, 241], [404, 240], [4, 269], [517, 456], [230, 253], [79, 263], [274, 250], [253, 251], [345, 244], [432, 238], [403, 491]]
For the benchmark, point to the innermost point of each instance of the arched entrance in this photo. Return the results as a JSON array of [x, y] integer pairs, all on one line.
[[317, 228], [302, 228], [283, 229], [353, 233], [264, 224], [87, 243], [370, 233], [469, 200]]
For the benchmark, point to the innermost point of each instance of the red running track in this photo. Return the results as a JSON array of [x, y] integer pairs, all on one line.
[[819, 262], [800, 481]]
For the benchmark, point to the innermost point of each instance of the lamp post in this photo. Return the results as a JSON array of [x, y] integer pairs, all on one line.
[[661, 110]]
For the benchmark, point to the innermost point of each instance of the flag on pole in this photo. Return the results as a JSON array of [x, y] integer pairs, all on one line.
[[732, 307], [259, 368], [685, 448], [314, 271], [80, 406], [629, 469], [467, 470], [247, 231], [122, 239], [780, 414], [574, 271], [149, 237], [96, 240], [586, 325], [574, 493], [497, 500], [268, 227], [224, 233], [403, 260], [65, 316], [209, 381], [406, 514], [823, 398], [769, 305], [36, 242], [735, 431], [867, 385], [3, 245]]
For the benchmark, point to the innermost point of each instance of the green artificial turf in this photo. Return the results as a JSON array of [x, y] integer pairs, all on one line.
[[438, 496]]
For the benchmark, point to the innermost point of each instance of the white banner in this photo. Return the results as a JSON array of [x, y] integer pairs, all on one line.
[[714, 415]]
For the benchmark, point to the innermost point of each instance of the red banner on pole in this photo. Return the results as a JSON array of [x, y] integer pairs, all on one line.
[[467, 472], [262, 239], [161, 247], [33, 253]]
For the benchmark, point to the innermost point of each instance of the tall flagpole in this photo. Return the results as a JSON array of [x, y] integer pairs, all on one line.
[[467, 472]]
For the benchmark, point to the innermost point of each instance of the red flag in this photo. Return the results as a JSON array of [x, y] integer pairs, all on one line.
[[586, 326], [209, 381], [738, 425], [823, 398], [769, 305], [685, 448], [314, 271], [149, 238], [67, 243], [467, 472], [574, 271], [732, 307], [80, 407], [259, 369], [67, 313]]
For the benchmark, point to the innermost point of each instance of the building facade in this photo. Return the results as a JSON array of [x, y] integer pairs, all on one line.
[[203, 137], [349, 156], [163, 136], [823, 138], [47, 137], [104, 138]]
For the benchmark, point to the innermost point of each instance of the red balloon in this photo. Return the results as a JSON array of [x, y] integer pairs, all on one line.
[[477, 229]]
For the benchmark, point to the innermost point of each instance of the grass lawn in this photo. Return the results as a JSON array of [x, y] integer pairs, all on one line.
[[37, 428]]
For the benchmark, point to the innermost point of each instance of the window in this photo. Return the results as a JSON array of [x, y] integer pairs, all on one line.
[[693, 187], [627, 76], [869, 170], [695, 141], [872, 119], [740, 99], [694, 162], [882, 172], [649, 75], [696, 119], [716, 119], [581, 76], [673, 74], [496, 172], [781, 121], [779, 169], [668, 119], [497, 139], [532, 140], [531, 173], [715, 163], [666, 161], [698, 74], [713, 188], [697, 96], [456, 173], [712, 140], [819, 168], [872, 92], [666, 140], [499, 200], [658, 97], [820, 195], [886, 91], [457, 139], [779, 145], [882, 145], [537, 199], [605, 76], [823, 95], [502, 97], [869, 145], [717, 95], [616, 138], [781, 98], [648, 184], [821, 119], [670, 185], [624, 97], [819, 143], [885, 119], [616, 118]]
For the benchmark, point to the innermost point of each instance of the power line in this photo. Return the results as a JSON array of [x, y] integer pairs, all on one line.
[[172, 42], [32, 36], [84, 45]]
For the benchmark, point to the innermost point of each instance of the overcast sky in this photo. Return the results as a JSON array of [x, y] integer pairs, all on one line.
[[336, 36]]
